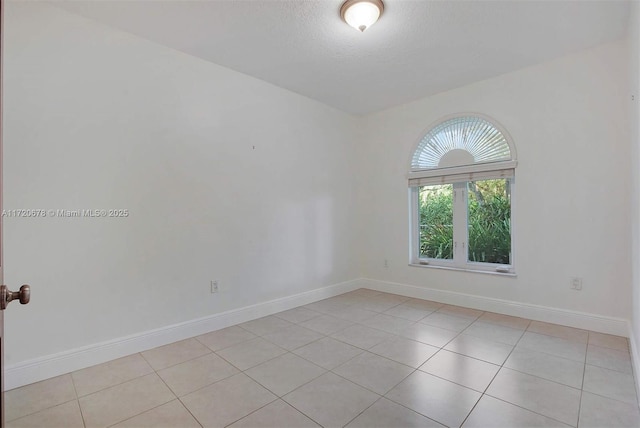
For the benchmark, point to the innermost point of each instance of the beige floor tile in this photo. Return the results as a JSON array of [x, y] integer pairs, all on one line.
[[609, 358], [408, 312], [392, 298], [365, 292], [608, 341], [251, 353], [493, 413], [405, 351], [428, 334], [326, 324], [568, 333], [362, 336], [275, 415], [285, 373], [265, 325], [194, 374], [547, 366], [353, 314], [373, 372], [610, 383], [328, 352], [293, 337], [378, 303], [357, 301], [482, 349], [438, 399], [425, 305], [505, 320], [330, 400], [65, 415], [387, 414], [38, 396], [96, 378], [447, 321], [388, 323], [547, 398], [170, 415], [118, 403], [326, 306], [348, 299], [553, 345], [598, 412], [465, 371], [227, 401], [460, 311], [220, 339], [174, 353], [342, 299], [298, 315], [495, 333]]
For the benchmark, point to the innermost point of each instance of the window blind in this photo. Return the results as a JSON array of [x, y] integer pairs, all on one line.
[[476, 172]]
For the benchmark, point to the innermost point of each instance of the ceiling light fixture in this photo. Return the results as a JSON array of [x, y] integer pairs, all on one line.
[[361, 14]]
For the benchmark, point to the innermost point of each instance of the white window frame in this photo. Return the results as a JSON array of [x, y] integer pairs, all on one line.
[[460, 259], [459, 175]]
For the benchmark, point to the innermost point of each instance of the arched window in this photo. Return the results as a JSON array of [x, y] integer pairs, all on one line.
[[461, 184]]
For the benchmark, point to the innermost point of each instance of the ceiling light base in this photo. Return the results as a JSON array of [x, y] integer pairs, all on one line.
[[361, 14]]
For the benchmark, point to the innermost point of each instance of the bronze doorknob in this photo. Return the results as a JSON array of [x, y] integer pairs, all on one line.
[[7, 296]]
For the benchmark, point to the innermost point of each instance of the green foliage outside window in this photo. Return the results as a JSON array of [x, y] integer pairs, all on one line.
[[488, 219], [436, 222]]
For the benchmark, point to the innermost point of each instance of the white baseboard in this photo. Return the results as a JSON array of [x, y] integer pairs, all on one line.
[[635, 359], [586, 321], [49, 366]]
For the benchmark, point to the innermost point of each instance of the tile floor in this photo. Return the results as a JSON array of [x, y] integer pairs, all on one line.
[[362, 359]]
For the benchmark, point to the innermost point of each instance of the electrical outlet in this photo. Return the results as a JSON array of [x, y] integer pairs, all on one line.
[[214, 286], [576, 284]]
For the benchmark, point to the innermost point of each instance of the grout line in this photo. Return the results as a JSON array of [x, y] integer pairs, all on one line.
[[634, 405], [368, 407], [370, 390], [260, 408], [170, 344], [324, 371], [529, 410], [143, 412], [584, 372], [189, 410], [229, 346], [513, 348], [9, 422], [73, 382], [255, 365], [147, 410], [483, 393], [176, 395], [115, 384]]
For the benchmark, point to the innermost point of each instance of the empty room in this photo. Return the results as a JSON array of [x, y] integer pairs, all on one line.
[[320, 213]]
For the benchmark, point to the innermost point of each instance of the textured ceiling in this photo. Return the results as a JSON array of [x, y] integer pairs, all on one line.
[[418, 48]]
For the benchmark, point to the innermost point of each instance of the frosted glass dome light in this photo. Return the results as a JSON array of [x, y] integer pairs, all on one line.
[[361, 14]]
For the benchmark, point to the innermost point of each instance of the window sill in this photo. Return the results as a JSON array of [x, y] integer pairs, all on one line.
[[487, 272]]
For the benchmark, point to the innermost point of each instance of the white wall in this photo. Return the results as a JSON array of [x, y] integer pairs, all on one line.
[[634, 82], [569, 121], [97, 118]]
